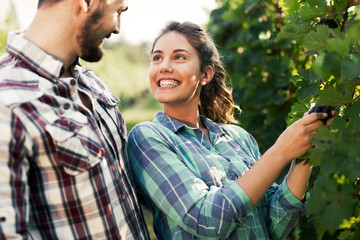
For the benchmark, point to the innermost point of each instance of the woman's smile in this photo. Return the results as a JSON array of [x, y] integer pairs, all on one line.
[[168, 83]]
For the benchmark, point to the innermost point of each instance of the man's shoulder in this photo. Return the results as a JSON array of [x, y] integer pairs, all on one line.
[[90, 80], [18, 84]]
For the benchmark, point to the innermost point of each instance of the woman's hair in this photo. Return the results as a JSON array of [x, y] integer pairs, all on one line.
[[216, 101]]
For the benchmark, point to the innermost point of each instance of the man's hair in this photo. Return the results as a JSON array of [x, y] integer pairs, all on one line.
[[47, 2]]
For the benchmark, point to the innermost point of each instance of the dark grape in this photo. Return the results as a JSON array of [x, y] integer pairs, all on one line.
[[331, 23], [322, 109]]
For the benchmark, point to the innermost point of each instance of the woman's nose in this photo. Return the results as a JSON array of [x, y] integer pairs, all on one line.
[[165, 67]]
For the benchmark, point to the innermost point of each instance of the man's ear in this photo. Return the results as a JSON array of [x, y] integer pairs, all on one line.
[[86, 4]]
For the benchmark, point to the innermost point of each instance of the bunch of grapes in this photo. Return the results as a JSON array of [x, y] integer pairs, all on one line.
[[322, 109], [331, 23]]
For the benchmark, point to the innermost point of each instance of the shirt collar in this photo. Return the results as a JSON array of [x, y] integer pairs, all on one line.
[[175, 125], [32, 55], [51, 68]]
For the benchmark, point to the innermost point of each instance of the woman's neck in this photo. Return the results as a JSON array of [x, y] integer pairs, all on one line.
[[188, 116]]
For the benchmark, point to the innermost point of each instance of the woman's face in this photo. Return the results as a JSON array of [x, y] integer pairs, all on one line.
[[174, 72]]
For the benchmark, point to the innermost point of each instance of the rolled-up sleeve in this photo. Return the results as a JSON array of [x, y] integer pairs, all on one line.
[[164, 176], [283, 211]]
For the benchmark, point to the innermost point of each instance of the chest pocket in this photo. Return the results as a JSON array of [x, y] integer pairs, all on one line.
[[76, 144]]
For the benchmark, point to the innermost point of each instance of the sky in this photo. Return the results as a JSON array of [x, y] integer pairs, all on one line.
[[143, 20]]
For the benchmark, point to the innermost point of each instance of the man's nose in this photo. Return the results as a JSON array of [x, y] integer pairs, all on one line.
[[117, 26]]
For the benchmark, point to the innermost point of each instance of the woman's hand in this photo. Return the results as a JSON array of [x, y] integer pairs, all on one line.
[[296, 140]]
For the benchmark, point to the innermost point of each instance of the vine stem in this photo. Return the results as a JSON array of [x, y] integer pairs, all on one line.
[[345, 18], [313, 181], [324, 84]]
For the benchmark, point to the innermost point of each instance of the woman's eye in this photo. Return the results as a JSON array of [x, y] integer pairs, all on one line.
[[156, 58], [180, 57]]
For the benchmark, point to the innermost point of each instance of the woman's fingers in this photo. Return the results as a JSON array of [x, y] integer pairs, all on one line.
[[310, 118], [330, 120]]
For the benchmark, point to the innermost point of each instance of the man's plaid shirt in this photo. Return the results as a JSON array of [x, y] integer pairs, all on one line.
[[63, 168]]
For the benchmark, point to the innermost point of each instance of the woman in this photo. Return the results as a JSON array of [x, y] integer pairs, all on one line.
[[204, 178]]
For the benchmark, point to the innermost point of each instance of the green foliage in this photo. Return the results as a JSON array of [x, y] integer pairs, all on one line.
[[3, 37], [260, 65], [283, 56], [124, 69], [329, 31], [9, 23]]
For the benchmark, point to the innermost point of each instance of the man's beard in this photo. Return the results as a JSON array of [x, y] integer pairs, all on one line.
[[91, 37]]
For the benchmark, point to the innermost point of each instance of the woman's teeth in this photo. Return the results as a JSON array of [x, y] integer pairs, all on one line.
[[168, 83]]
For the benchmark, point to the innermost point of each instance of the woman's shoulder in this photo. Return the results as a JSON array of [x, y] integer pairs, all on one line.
[[148, 128], [239, 134], [235, 130], [243, 138]]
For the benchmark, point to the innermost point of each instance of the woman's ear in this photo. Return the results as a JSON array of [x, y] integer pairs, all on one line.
[[207, 75]]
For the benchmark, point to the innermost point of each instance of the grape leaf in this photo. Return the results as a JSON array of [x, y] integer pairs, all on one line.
[[354, 32], [353, 114], [289, 6], [316, 3], [306, 90], [340, 46], [332, 97], [350, 68], [292, 31], [316, 153], [324, 134], [308, 12], [316, 41], [297, 111]]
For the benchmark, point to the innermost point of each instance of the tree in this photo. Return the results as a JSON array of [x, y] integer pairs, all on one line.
[[259, 65], [329, 31], [283, 56]]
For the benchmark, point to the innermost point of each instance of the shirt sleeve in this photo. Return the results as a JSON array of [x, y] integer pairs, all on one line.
[[284, 210], [159, 167], [13, 180]]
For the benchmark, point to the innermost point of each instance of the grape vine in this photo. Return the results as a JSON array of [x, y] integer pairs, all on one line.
[[283, 56], [329, 31]]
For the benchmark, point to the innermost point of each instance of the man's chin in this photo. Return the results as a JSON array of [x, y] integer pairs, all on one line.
[[93, 56]]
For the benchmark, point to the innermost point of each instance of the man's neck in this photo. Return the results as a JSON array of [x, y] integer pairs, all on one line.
[[53, 31]]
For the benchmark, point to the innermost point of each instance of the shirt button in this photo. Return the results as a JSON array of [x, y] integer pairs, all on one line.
[[73, 82], [72, 126], [66, 106]]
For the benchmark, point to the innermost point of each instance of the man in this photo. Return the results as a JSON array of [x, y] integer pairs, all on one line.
[[63, 169]]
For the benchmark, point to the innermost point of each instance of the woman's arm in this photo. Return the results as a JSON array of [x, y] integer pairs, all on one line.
[[292, 143]]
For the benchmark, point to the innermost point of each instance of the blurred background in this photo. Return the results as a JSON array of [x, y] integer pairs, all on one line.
[[260, 66], [124, 67], [125, 64]]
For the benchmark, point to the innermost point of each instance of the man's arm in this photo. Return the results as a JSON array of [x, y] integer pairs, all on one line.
[[13, 177]]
